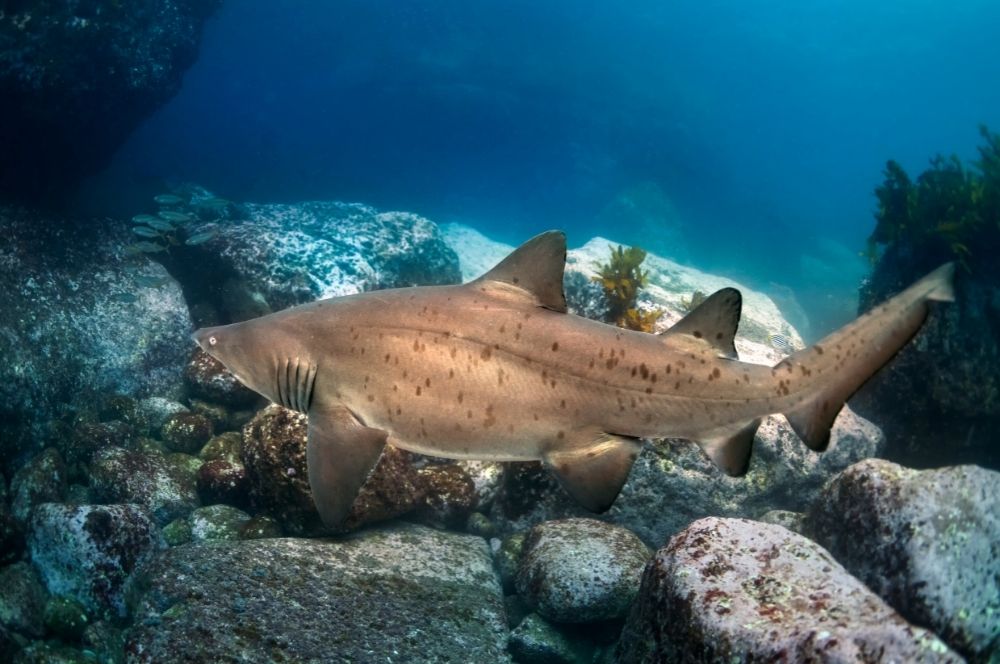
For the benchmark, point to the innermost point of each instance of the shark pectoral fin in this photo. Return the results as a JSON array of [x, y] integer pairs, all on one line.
[[341, 453], [730, 450], [712, 322], [593, 468]]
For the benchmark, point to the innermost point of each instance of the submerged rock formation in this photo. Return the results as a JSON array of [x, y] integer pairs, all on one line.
[[77, 77]]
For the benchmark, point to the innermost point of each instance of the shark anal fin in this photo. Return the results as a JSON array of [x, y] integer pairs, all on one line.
[[537, 267], [730, 450], [341, 453], [813, 420], [713, 322], [593, 468]]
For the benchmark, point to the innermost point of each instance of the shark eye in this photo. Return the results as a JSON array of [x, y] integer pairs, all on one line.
[[212, 341]]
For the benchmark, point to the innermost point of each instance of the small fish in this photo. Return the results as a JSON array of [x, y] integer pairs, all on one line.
[[145, 231], [782, 343], [142, 219], [168, 199], [201, 238], [144, 247], [176, 217], [161, 225]]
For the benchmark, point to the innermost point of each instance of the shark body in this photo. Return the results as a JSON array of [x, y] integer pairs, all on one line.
[[497, 370]]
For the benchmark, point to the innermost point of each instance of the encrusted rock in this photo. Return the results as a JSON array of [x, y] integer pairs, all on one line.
[[222, 481], [790, 520], [143, 478], [217, 522], [66, 618], [88, 551], [42, 480], [209, 379], [91, 437], [450, 495], [738, 590], [535, 641], [22, 600], [227, 445], [580, 570], [260, 527], [926, 541], [156, 410], [186, 432], [404, 593]]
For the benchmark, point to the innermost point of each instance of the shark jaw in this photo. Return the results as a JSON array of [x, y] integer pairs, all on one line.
[[497, 370]]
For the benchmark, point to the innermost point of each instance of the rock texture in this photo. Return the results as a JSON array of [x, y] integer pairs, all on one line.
[[405, 593], [738, 590], [88, 551], [927, 541], [143, 478], [77, 323], [77, 77], [580, 570]]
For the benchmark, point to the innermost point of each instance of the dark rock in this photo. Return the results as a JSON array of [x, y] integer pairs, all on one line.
[[673, 482], [480, 524], [177, 532], [287, 254], [42, 480], [78, 77], [66, 618], [508, 558], [11, 536], [105, 641], [223, 481], [76, 315], [142, 478], [217, 522], [209, 379], [217, 414], [91, 437], [580, 570], [9, 645], [535, 641], [186, 432], [227, 446], [156, 410], [78, 494], [450, 496], [740, 590], [22, 602], [927, 541], [939, 399], [260, 527], [404, 593], [88, 551], [51, 652], [274, 446]]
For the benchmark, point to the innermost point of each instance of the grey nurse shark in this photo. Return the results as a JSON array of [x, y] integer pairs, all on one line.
[[496, 369]]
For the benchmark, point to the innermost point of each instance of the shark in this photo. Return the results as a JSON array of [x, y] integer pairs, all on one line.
[[497, 369]]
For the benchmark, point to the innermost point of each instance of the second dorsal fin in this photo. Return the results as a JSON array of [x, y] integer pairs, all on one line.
[[714, 322], [536, 266]]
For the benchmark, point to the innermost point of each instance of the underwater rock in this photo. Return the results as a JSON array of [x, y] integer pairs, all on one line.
[[739, 590], [22, 602], [223, 481], [186, 432], [673, 482], [90, 437], [450, 496], [926, 541], [143, 478], [535, 641], [11, 536], [78, 77], [177, 532], [227, 446], [51, 652], [209, 379], [580, 570], [88, 551], [156, 410], [402, 593], [274, 455], [66, 618], [784, 518], [287, 254], [42, 480], [260, 527], [217, 522], [80, 325]]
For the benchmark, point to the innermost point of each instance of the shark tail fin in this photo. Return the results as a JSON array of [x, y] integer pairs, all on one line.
[[843, 361]]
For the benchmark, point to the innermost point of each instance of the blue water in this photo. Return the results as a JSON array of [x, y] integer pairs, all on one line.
[[757, 131]]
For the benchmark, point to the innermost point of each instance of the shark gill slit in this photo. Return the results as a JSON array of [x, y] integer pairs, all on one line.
[[277, 382]]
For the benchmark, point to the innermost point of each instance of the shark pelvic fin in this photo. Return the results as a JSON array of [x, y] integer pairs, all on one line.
[[341, 453], [713, 322], [594, 468], [730, 450], [536, 266]]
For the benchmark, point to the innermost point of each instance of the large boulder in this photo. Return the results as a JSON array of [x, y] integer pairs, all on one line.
[[80, 318], [77, 77], [405, 593], [736, 590], [927, 541]]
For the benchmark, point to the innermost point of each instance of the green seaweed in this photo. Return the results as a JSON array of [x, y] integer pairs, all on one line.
[[949, 211], [620, 279]]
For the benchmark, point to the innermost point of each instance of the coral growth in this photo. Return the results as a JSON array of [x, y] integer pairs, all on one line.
[[621, 278]]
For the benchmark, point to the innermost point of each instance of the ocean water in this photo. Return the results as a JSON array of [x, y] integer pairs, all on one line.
[[746, 139], [248, 414]]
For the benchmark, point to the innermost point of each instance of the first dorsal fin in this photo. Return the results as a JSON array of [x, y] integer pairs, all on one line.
[[536, 266], [714, 322]]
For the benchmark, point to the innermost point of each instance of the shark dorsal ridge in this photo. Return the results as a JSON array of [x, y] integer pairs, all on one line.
[[712, 322], [537, 267]]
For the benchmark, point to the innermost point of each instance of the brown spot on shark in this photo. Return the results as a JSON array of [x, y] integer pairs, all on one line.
[[306, 358]]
